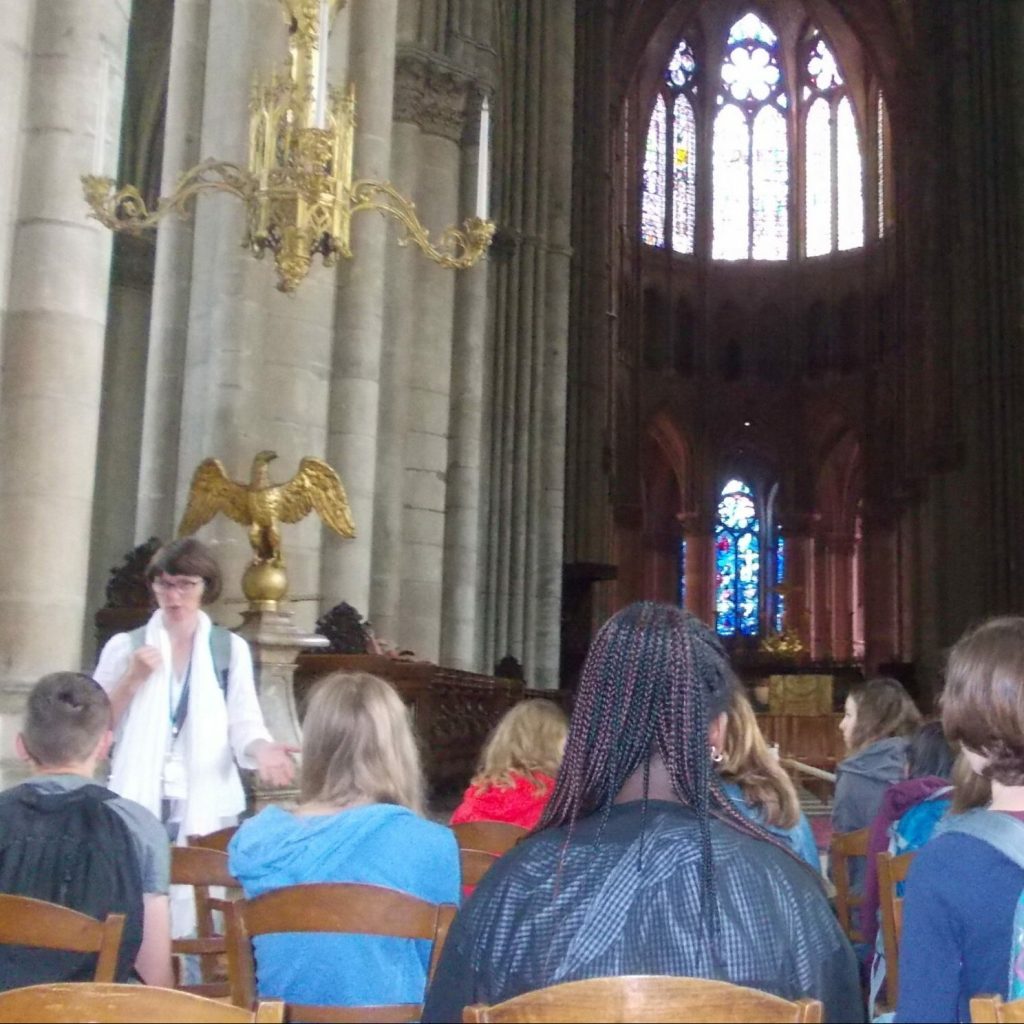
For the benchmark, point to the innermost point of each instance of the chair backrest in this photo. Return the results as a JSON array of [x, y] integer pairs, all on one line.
[[992, 1010], [475, 864], [496, 837], [338, 907], [844, 846], [214, 840], [646, 999], [892, 869], [28, 922], [201, 867], [66, 1003]]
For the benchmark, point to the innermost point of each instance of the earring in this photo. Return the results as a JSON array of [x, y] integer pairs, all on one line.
[[716, 755]]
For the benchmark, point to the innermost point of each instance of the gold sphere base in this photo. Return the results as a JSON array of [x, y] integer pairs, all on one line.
[[264, 584]]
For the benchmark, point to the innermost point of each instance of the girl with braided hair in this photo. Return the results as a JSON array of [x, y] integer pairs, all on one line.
[[641, 864]]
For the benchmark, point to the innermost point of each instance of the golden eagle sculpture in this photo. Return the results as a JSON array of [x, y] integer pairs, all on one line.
[[262, 506]]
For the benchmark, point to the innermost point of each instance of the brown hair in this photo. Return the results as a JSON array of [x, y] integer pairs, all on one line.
[[187, 557], [529, 738], [884, 709], [65, 716], [358, 745], [749, 763], [970, 789], [983, 703]]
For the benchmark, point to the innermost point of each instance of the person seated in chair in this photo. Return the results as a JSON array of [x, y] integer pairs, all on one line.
[[641, 864], [359, 820], [66, 840]]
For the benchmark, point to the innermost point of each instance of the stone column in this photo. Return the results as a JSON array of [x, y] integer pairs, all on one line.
[[15, 48], [53, 342], [799, 576], [426, 440], [169, 309], [257, 360], [881, 590], [461, 642], [354, 442], [840, 561]]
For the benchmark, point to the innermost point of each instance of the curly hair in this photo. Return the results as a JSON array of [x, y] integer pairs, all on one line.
[[528, 740]]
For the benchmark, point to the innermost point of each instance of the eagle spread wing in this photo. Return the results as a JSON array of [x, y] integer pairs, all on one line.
[[316, 486], [213, 491]]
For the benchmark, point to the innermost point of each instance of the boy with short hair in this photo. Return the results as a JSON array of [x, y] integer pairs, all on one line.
[[67, 840]]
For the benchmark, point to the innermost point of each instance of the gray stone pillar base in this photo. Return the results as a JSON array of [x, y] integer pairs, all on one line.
[[276, 643]]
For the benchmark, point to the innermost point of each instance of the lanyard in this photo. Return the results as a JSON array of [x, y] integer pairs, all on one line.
[[177, 715]]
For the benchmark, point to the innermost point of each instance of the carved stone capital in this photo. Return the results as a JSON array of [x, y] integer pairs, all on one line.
[[431, 95]]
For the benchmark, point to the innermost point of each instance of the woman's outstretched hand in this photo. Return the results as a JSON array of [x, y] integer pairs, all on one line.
[[274, 762]]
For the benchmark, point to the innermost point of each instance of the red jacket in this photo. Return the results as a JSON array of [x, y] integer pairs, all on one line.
[[519, 805]]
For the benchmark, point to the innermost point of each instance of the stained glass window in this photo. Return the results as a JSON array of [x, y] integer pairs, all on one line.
[[682, 573], [780, 577], [849, 180], [654, 177], [750, 211], [818, 209], [684, 199], [834, 190], [737, 562]]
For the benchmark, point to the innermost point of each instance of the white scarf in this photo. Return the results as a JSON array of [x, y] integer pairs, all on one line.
[[214, 789]]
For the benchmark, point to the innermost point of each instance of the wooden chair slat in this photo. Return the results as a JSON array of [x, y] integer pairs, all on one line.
[[475, 864], [69, 1002], [496, 837], [646, 999], [28, 922], [892, 869], [214, 840], [993, 1010], [844, 846], [345, 908]]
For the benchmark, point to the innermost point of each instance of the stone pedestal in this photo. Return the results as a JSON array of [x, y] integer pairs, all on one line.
[[276, 643]]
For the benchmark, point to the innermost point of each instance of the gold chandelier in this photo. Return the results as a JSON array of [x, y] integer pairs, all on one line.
[[298, 189]]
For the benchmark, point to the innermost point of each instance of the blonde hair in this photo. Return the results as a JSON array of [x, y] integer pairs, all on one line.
[[358, 745], [749, 763], [530, 738]]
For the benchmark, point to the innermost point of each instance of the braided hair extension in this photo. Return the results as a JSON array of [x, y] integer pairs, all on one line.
[[654, 679]]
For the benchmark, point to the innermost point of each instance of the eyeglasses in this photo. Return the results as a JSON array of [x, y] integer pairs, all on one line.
[[182, 585]]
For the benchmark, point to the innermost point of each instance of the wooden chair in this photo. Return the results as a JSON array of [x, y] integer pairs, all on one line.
[[992, 1010], [201, 867], [646, 999], [475, 864], [42, 925], [892, 870], [214, 840], [339, 908], [495, 837], [68, 1002], [844, 846]]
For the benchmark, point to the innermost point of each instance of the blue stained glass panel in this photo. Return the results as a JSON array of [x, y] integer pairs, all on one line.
[[655, 174], [682, 68], [737, 562], [780, 577], [750, 26], [682, 573]]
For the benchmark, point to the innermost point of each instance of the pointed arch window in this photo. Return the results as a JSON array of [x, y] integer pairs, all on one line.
[[834, 189], [737, 561], [740, 192]]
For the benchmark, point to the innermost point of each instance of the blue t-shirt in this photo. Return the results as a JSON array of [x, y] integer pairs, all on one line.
[[957, 928], [379, 844]]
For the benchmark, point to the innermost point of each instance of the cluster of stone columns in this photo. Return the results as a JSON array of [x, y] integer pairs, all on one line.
[[439, 396]]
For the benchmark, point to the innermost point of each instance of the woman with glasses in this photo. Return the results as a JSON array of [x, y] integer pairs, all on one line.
[[184, 703]]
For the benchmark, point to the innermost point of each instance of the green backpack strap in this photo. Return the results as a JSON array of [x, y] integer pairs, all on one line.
[[220, 650]]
